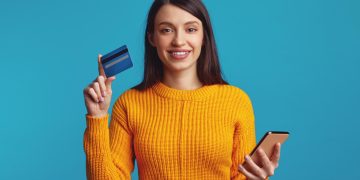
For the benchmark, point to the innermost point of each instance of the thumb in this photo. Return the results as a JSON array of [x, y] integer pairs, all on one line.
[[109, 81]]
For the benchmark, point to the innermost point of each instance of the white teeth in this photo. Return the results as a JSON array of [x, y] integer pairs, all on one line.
[[180, 53]]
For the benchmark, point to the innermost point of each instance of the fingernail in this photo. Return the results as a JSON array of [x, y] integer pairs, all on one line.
[[241, 167], [247, 157], [101, 99], [104, 93]]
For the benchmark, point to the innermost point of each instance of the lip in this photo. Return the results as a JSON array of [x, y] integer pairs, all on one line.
[[179, 56]]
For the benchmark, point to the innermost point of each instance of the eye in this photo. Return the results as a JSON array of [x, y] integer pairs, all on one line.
[[192, 30], [166, 30]]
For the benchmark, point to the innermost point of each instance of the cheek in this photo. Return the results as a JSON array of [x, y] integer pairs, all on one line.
[[161, 46], [163, 41], [197, 41], [197, 44]]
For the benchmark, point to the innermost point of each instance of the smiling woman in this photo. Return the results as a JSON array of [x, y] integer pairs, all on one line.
[[183, 120], [173, 29], [178, 40]]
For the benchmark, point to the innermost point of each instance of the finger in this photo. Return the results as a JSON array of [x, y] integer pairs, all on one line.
[[96, 87], [101, 81], [100, 67], [275, 157], [248, 174], [254, 168], [108, 83], [93, 94], [266, 163]]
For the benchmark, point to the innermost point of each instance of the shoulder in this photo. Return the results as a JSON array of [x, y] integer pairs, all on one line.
[[233, 92], [131, 95]]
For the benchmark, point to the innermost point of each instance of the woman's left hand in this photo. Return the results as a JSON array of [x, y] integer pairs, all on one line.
[[267, 166]]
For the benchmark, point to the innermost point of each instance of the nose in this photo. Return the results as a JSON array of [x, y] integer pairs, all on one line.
[[179, 39]]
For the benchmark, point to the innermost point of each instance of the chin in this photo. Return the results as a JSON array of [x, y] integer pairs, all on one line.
[[179, 67]]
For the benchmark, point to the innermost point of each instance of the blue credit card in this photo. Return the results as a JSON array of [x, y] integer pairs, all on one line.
[[116, 61]]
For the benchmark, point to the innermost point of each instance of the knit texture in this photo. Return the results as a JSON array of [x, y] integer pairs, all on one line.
[[173, 134]]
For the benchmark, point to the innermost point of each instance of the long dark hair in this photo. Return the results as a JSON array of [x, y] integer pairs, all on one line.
[[208, 66]]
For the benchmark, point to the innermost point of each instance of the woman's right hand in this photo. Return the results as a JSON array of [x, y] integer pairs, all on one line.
[[98, 93]]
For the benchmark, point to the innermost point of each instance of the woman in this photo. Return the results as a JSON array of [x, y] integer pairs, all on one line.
[[183, 120]]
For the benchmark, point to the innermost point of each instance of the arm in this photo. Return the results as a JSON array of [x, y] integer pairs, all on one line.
[[244, 142], [109, 152], [244, 137]]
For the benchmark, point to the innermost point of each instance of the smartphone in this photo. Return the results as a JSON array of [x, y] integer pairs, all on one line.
[[267, 143]]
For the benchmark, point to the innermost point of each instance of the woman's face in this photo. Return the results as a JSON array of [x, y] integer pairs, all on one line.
[[178, 37]]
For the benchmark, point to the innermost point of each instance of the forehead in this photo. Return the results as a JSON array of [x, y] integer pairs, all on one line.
[[174, 15]]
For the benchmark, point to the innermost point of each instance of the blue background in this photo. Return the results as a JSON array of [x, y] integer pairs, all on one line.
[[297, 60]]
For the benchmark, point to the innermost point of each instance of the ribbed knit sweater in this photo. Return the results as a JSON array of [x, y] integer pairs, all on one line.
[[173, 134]]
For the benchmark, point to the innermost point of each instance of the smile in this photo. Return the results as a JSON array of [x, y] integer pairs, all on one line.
[[179, 55]]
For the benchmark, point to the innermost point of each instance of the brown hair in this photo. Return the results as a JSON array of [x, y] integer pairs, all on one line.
[[208, 66]]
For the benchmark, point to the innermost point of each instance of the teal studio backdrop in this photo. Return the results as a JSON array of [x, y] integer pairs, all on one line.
[[297, 60]]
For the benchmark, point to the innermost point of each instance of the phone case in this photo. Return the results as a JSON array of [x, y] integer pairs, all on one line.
[[267, 143]]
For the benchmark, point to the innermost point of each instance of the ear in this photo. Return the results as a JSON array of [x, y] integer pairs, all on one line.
[[150, 39]]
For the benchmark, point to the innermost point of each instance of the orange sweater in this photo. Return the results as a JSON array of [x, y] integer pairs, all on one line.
[[174, 134]]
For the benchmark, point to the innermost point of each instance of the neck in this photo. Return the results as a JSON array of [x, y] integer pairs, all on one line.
[[184, 80]]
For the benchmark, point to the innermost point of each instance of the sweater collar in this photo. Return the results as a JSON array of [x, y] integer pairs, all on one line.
[[201, 93]]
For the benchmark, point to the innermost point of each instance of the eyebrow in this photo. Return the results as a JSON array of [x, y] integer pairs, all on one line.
[[169, 23]]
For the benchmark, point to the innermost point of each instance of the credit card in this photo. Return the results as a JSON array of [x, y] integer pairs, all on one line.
[[116, 61]]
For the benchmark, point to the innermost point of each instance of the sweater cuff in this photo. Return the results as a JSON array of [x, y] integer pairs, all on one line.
[[97, 122]]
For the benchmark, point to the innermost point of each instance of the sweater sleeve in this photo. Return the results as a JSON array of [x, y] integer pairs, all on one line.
[[109, 150], [244, 136]]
